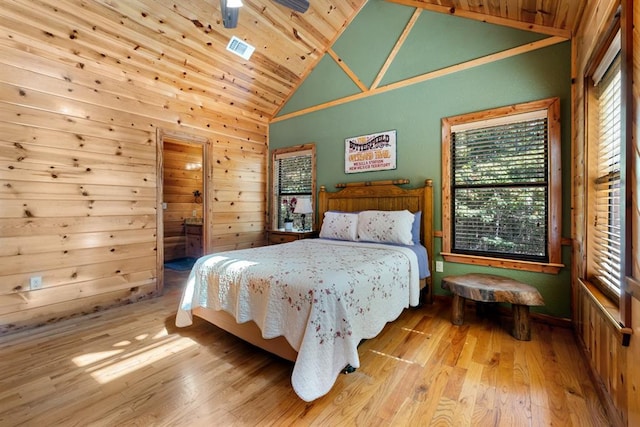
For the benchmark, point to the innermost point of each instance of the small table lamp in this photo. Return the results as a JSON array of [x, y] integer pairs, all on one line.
[[303, 207]]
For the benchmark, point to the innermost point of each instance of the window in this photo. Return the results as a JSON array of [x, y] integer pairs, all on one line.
[[294, 179], [501, 187], [604, 97]]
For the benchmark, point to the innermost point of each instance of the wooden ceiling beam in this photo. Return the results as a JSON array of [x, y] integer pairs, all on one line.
[[308, 71], [396, 48], [347, 70], [498, 20], [519, 50]]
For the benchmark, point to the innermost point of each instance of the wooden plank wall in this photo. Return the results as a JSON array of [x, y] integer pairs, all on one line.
[[613, 366], [79, 113], [183, 171], [608, 359]]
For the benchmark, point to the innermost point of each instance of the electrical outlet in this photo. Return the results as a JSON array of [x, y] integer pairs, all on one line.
[[439, 266], [35, 282]]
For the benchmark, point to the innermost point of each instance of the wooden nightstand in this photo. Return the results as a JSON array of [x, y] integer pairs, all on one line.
[[275, 237], [193, 234]]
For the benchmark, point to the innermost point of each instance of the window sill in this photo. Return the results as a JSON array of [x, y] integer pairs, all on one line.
[[537, 267], [608, 308]]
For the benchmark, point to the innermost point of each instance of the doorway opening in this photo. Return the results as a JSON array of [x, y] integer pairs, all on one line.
[[182, 201]]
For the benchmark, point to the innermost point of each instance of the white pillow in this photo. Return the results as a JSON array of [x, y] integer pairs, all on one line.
[[386, 227], [340, 226]]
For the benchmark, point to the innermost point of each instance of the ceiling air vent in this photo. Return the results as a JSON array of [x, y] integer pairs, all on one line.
[[297, 5], [240, 48]]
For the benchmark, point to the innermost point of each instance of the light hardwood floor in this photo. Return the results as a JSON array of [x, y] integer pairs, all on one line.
[[131, 366]]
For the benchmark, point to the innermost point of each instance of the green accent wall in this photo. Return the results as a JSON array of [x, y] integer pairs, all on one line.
[[415, 111]]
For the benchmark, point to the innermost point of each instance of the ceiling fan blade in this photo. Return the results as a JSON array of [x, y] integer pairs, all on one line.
[[297, 5]]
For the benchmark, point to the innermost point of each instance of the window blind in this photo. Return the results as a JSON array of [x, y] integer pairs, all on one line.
[[606, 241], [294, 180], [294, 175], [500, 190]]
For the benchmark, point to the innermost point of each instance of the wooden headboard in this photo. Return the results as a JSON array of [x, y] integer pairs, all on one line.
[[384, 196]]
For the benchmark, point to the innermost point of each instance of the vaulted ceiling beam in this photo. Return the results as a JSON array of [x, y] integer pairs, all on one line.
[[508, 53], [498, 20]]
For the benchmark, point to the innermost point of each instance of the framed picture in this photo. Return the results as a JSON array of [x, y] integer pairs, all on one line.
[[374, 152]]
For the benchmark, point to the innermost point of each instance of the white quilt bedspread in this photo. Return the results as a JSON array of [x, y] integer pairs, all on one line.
[[323, 296]]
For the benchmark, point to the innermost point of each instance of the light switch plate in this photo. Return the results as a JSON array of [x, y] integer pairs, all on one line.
[[35, 282], [439, 266]]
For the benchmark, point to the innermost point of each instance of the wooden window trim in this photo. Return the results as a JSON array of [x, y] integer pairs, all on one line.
[[554, 265], [278, 152], [621, 19]]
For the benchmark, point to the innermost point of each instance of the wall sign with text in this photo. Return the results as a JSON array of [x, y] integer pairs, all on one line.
[[374, 152]]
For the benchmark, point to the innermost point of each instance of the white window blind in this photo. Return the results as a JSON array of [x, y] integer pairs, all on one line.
[[606, 241], [500, 189]]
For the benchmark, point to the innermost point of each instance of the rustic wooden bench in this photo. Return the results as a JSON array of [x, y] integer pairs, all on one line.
[[492, 288]]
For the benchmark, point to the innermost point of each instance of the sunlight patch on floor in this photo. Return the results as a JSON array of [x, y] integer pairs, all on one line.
[[106, 366], [416, 332], [91, 358], [411, 362]]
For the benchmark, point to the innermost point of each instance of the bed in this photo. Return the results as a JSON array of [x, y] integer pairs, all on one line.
[[312, 301]]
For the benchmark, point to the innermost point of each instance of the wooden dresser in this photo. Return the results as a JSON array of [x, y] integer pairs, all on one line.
[[275, 237]]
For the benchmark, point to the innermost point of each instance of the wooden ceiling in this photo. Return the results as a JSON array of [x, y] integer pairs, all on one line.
[[182, 43]]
